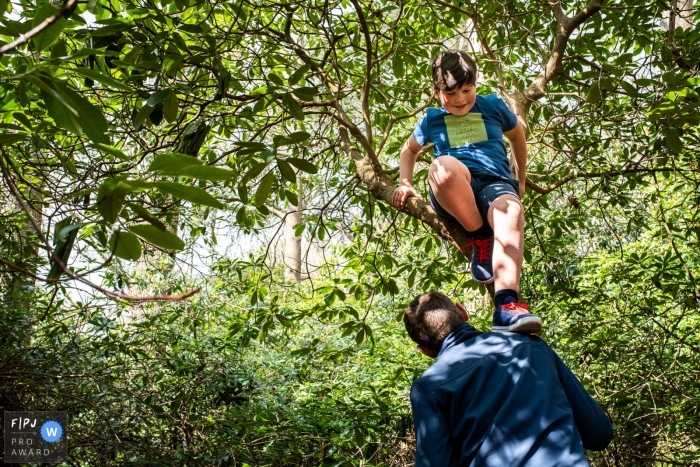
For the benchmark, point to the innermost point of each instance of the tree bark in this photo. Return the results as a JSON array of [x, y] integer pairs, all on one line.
[[292, 216]]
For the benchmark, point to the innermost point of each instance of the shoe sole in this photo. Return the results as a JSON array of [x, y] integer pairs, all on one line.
[[528, 325], [483, 282]]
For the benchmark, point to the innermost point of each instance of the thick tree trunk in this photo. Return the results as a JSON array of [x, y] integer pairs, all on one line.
[[291, 250], [292, 241]]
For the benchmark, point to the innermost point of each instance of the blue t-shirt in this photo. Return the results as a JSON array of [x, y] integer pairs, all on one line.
[[476, 138]]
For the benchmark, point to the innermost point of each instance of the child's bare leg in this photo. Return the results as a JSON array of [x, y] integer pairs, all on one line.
[[450, 181], [507, 220], [506, 217]]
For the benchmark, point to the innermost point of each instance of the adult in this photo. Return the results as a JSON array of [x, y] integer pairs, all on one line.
[[497, 398]]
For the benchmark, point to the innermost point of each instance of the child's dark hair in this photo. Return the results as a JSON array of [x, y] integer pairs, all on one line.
[[452, 69]]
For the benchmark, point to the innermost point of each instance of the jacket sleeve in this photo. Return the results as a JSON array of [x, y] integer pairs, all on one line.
[[433, 448], [593, 425]]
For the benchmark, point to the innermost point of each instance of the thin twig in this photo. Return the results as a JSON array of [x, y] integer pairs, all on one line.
[[24, 38]]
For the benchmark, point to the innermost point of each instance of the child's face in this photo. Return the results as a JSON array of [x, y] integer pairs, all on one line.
[[458, 101]]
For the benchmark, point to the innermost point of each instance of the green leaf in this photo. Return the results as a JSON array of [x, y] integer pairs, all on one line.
[[646, 82], [673, 141], [306, 93], [22, 119], [64, 238], [264, 189], [275, 79], [104, 79], [292, 106], [157, 115], [286, 171], [125, 245], [110, 199], [251, 145], [173, 161], [629, 88], [179, 42], [208, 173], [111, 150], [49, 35], [8, 139], [292, 198], [116, 26], [191, 28], [253, 172], [293, 138], [299, 229], [89, 117], [170, 107], [158, 97], [143, 114], [302, 165], [397, 65], [360, 336], [593, 94], [189, 193], [22, 96], [61, 114], [144, 214], [295, 77], [166, 240], [94, 7], [243, 193], [298, 137]]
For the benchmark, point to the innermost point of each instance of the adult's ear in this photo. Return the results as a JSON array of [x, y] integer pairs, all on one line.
[[463, 311], [427, 352]]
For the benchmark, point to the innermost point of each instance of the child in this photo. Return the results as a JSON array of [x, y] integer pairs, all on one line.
[[470, 180]]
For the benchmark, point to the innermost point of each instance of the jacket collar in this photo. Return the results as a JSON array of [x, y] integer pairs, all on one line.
[[460, 334]]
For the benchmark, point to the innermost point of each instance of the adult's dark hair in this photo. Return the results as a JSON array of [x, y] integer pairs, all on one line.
[[452, 69], [429, 318]]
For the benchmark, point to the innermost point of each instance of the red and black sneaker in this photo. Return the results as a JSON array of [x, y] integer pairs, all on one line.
[[482, 251], [516, 317]]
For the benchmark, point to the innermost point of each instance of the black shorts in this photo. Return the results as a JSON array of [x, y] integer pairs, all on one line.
[[486, 189]]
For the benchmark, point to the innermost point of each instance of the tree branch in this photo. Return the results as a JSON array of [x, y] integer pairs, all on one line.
[[521, 101], [368, 71], [382, 188], [24, 38], [543, 190]]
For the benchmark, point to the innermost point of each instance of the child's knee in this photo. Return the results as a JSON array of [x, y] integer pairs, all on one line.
[[508, 205], [446, 169]]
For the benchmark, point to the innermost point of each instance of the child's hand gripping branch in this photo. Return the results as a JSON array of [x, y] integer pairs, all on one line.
[[470, 180]]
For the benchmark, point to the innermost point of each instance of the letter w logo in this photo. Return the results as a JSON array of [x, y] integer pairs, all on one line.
[[51, 431]]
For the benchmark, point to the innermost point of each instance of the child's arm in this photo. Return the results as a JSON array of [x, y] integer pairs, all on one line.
[[518, 145], [407, 161]]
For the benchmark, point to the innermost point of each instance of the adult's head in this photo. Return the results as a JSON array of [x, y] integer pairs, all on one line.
[[430, 317], [453, 69]]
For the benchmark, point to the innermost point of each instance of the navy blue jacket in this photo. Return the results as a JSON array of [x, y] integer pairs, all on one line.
[[503, 399]]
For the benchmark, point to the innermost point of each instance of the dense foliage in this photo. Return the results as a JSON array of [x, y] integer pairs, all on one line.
[[153, 154]]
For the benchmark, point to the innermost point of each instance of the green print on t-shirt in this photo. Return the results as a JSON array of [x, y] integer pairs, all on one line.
[[468, 129]]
